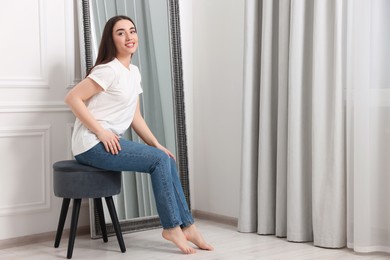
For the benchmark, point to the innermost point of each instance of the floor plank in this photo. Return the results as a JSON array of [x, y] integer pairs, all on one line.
[[228, 243]]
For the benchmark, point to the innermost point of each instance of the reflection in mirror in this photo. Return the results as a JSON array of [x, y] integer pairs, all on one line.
[[159, 60]]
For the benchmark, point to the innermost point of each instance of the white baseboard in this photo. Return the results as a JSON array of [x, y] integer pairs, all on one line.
[[42, 237], [215, 217]]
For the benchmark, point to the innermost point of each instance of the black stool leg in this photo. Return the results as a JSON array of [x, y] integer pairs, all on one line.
[[73, 226], [115, 222], [61, 222], [102, 222]]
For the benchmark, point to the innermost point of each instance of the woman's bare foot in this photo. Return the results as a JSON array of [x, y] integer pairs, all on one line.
[[193, 235], [177, 236]]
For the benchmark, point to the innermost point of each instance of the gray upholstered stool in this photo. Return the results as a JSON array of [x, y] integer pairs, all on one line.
[[76, 181]]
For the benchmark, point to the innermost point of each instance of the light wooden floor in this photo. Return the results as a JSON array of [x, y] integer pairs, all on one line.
[[228, 243]]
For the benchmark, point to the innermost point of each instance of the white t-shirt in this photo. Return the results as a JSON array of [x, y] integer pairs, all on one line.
[[114, 107]]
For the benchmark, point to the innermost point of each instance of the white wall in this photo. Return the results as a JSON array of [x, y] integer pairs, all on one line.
[[218, 33], [38, 65]]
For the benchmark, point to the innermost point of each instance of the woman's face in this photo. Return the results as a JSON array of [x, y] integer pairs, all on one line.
[[125, 38]]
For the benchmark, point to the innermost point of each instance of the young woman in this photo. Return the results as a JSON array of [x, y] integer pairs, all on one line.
[[105, 104]]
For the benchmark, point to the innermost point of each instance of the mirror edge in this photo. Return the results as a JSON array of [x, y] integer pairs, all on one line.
[[178, 86]]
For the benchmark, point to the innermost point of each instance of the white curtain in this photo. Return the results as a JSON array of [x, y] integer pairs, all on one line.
[[368, 125], [306, 163]]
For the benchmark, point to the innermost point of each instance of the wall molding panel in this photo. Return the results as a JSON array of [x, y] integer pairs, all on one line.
[[31, 174], [69, 131], [72, 45], [40, 80], [57, 106]]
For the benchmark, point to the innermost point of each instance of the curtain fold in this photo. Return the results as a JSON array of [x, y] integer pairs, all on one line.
[[248, 190], [282, 122], [300, 56], [299, 139], [267, 124], [328, 128]]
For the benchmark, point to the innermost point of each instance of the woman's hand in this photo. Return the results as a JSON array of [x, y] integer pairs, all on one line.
[[110, 141], [165, 150], [141, 128]]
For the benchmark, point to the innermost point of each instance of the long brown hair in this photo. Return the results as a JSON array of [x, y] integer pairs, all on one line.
[[107, 50]]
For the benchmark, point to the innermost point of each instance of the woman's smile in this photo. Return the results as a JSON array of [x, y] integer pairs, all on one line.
[[130, 44]]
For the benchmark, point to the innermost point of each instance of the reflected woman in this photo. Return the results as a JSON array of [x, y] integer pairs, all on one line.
[[106, 104]]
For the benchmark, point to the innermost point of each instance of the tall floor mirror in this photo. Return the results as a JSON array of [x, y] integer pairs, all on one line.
[[162, 102]]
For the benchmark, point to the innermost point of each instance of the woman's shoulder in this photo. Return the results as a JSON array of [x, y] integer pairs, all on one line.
[[134, 67], [104, 74], [109, 66], [135, 72]]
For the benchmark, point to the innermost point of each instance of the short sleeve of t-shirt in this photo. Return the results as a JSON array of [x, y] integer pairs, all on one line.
[[138, 79], [104, 75]]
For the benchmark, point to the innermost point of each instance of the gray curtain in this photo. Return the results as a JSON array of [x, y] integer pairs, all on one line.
[[315, 158], [293, 159]]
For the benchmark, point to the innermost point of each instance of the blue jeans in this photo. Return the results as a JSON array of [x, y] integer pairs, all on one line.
[[170, 201]]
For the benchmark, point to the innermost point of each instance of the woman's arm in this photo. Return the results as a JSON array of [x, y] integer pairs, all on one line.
[[141, 128], [76, 99]]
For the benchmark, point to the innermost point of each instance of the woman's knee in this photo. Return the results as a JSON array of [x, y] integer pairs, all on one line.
[[160, 158], [161, 155], [172, 163]]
